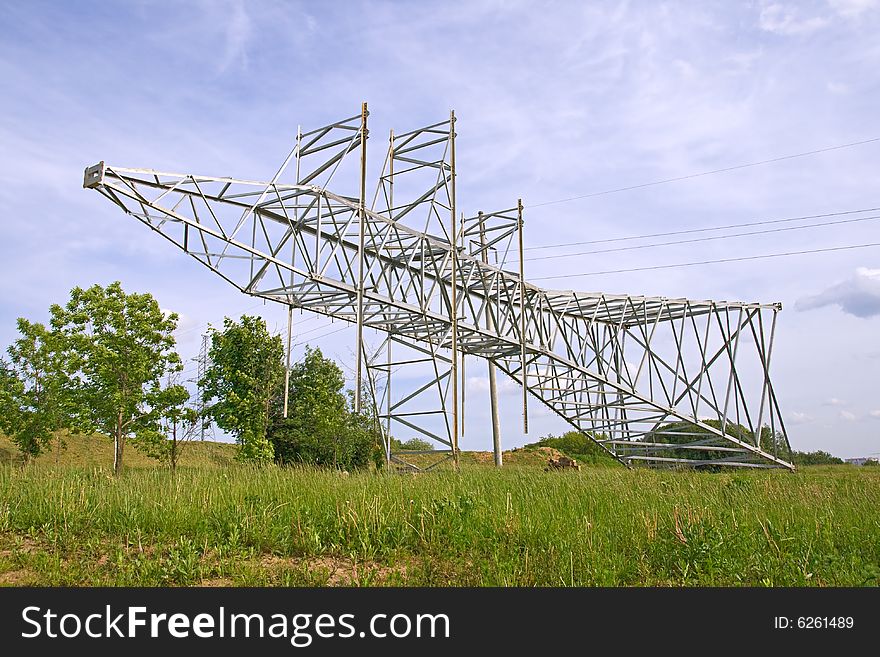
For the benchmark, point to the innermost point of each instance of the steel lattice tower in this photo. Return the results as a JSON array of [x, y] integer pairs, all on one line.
[[654, 380]]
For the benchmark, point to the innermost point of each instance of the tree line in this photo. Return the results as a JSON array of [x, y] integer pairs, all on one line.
[[106, 363]]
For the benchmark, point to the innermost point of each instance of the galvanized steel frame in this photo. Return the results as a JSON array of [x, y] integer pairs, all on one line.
[[652, 380]]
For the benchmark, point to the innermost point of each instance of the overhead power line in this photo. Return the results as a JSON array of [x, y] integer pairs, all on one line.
[[240, 312], [701, 239], [705, 173], [322, 335], [204, 324], [692, 231], [710, 262]]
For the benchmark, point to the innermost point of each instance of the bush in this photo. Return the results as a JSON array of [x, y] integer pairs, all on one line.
[[321, 429], [815, 458], [412, 445]]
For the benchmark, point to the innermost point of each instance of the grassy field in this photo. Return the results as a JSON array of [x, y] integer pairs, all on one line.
[[234, 525], [84, 451]]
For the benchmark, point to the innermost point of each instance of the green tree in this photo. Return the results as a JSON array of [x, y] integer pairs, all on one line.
[[178, 425], [682, 432], [412, 445], [123, 346], [321, 428], [815, 458], [245, 370], [35, 387]]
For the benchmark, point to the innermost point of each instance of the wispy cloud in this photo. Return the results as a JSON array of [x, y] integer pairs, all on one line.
[[858, 295], [853, 8], [572, 99], [480, 384], [796, 418], [789, 19], [237, 33]]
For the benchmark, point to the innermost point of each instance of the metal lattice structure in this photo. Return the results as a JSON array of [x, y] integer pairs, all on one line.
[[651, 380]]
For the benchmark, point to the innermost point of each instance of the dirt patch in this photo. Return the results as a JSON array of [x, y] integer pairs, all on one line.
[[19, 545], [549, 452], [340, 571], [217, 582], [20, 577]]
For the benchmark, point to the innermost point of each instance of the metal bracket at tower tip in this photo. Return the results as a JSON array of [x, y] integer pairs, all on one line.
[[93, 176]]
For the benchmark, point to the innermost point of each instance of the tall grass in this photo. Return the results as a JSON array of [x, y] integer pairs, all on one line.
[[516, 527]]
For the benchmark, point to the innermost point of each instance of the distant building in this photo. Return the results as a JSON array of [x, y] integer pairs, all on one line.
[[860, 460]]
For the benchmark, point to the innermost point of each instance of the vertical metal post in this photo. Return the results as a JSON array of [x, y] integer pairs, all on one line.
[[202, 369], [388, 405], [522, 319], [293, 262], [452, 297], [463, 356], [388, 342], [732, 364], [463, 391], [295, 207], [360, 288], [391, 174], [765, 383], [287, 365], [493, 384], [704, 366]]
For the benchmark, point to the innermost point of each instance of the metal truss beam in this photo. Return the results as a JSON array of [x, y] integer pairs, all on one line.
[[652, 380]]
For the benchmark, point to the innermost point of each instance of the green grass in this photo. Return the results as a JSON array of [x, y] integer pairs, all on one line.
[[91, 451], [520, 526]]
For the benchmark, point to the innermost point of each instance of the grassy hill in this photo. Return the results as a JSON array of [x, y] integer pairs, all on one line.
[[91, 451]]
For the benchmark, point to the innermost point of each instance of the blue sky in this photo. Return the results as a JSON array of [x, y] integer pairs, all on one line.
[[553, 100]]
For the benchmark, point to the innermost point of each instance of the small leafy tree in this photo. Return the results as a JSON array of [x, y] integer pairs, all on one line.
[[177, 426], [321, 427], [245, 370], [123, 347], [35, 387]]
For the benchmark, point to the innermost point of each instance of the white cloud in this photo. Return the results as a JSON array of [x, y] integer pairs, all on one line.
[[875, 414], [799, 418], [847, 416], [858, 295], [480, 384], [237, 32], [787, 21], [852, 8], [185, 322], [834, 401], [617, 95]]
